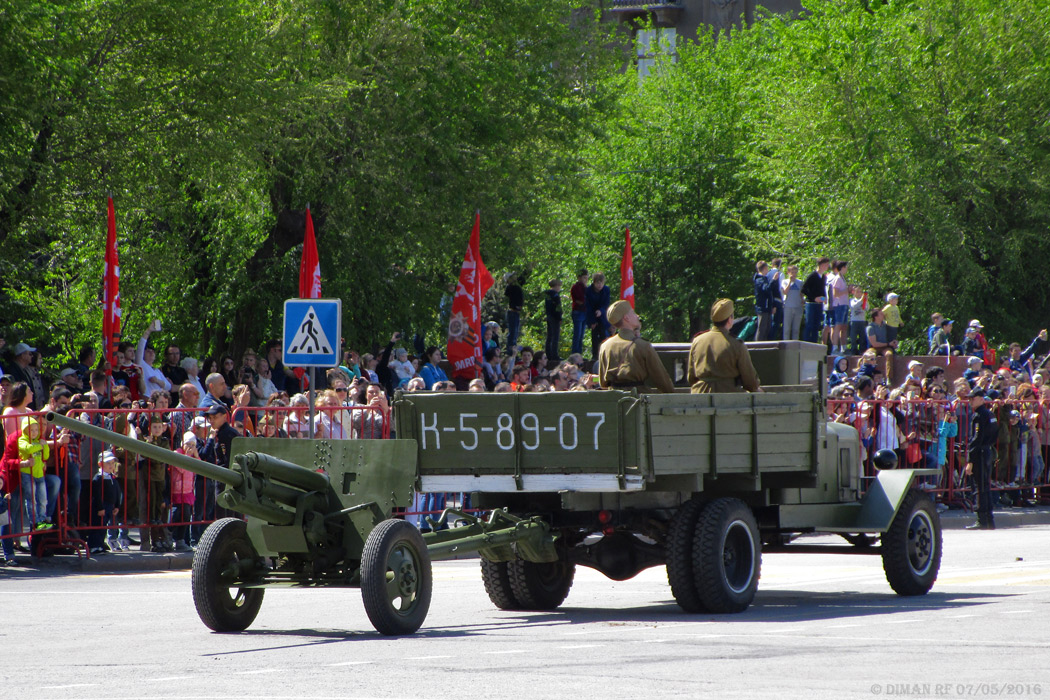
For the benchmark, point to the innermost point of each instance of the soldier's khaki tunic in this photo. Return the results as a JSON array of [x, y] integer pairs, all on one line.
[[626, 361], [719, 363]]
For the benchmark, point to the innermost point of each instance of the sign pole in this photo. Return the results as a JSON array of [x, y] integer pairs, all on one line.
[[311, 399]]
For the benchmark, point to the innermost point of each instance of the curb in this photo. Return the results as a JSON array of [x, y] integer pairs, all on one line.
[[1004, 518]]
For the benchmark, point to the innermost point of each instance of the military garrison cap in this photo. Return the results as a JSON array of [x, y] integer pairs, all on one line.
[[721, 310], [617, 311]]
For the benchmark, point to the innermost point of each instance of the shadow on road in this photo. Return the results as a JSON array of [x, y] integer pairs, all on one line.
[[771, 607]]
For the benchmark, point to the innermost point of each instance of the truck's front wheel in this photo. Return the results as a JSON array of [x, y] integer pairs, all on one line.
[[727, 556], [911, 548]]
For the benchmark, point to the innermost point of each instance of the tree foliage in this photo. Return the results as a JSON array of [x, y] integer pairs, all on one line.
[[909, 137], [213, 124]]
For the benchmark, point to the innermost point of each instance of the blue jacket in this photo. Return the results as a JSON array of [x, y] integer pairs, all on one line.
[[836, 377], [432, 374], [598, 300], [763, 294]]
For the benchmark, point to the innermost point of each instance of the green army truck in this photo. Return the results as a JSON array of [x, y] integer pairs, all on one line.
[[701, 483], [617, 481]]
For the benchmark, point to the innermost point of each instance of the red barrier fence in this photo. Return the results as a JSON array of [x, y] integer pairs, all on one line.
[[935, 434]]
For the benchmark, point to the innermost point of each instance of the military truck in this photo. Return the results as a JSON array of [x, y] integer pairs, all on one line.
[[613, 480]]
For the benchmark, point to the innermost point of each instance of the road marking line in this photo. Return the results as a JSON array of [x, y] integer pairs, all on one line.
[[840, 627], [509, 651], [901, 622], [580, 646], [427, 658], [959, 617], [169, 678], [257, 671], [74, 685], [351, 663], [1016, 612], [636, 628]]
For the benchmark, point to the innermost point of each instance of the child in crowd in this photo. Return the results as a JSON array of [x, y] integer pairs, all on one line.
[[106, 496], [403, 369], [5, 524], [893, 316], [868, 365], [32, 446], [182, 494], [839, 372], [913, 379], [157, 503], [936, 320]]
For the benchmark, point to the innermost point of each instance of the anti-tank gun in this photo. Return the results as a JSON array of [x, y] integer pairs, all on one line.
[[318, 514]]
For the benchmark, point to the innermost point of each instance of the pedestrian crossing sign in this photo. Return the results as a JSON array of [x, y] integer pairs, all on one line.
[[312, 332]]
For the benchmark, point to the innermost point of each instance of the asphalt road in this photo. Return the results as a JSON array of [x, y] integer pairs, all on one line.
[[822, 626]]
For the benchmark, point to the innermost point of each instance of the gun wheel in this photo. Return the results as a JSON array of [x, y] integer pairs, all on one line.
[[727, 556], [222, 607], [396, 580], [911, 548]]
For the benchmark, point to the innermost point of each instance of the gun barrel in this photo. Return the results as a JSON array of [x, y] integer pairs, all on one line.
[[205, 469], [280, 470]]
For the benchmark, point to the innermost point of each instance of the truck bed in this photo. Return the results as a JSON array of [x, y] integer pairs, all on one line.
[[604, 441]]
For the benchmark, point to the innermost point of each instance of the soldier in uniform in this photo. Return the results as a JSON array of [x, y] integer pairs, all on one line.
[[979, 461], [718, 362], [626, 360]]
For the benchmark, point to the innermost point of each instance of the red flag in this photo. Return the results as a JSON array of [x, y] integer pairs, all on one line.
[[310, 267], [627, 272], [111, 293], [464, 326]]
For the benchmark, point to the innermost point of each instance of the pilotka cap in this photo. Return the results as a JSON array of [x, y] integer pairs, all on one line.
[[617, 311], [721, 310]]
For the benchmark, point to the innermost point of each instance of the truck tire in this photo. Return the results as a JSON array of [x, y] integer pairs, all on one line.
[[219, 606], [679, 557], [727, 556], [540, 586], [396, 579], [496, 577], [911, 548]]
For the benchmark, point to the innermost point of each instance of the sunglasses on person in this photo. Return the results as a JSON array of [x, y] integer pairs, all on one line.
[[341, 390]]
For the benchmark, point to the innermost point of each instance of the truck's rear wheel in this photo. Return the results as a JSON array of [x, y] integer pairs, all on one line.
[[911, 548], [396, 579], [679, 557], [727, 556], [496, 577], [540, 586], [222, 549]]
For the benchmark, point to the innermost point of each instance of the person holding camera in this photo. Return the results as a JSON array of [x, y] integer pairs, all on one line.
[[249, 376], [152, 378]]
